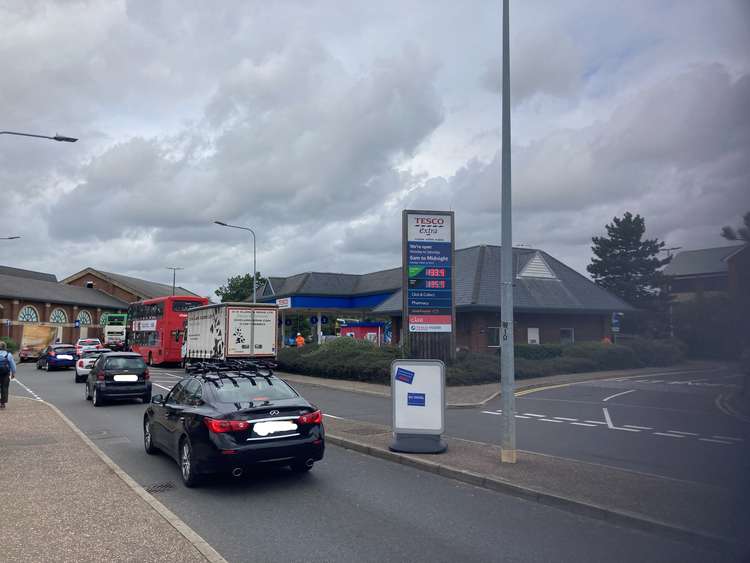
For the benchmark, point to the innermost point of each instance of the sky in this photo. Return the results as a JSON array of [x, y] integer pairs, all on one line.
[[316, 123]]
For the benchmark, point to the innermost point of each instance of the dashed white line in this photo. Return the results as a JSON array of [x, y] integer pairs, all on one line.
[[550, 420], [727, 438], [583, 424], [532, 414], [685, 433], [619, 394], [37, 397], [669, 435], [715, 441], [521, 416], [332, 416], [491, 412], [162, 386], [637, 427], [565, 419], [595, 422]]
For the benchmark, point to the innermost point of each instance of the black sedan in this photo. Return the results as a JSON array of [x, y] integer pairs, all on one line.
[[118, 375], [226, 421]]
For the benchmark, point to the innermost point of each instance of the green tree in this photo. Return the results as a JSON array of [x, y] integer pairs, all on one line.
[[741, 233], [629, 266], [240, 288]]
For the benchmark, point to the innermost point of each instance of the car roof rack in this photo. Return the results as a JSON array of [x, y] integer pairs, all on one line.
[[232, 369]]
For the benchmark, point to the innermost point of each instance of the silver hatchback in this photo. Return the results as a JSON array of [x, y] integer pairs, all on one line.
[[86, 362]]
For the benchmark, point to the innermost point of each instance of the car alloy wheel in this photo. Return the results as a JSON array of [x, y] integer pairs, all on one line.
[[96, 400], [86, 394], [187, 467], [148, 438]]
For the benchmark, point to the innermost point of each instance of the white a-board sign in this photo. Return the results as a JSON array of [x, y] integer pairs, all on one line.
[[418, 392]]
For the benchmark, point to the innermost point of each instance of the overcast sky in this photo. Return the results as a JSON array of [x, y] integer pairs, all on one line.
[[316, 123]]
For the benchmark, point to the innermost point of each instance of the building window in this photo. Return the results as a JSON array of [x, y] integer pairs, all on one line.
[[567, 336], [493, 336], [58, 316], [28, 314], [84, 318]]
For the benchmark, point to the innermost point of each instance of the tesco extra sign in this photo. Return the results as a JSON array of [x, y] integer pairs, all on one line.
[[423, 227]]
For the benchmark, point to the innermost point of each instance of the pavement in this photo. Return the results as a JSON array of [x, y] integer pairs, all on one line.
[[471, 396], [63, 500]]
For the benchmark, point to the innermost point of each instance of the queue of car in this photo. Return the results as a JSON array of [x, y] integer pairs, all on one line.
[[220, 418]]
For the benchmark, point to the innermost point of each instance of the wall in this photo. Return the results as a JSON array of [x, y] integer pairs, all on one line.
[[107, 287], [473, 328]]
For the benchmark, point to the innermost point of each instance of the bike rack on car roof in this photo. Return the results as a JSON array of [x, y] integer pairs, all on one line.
[[216, 371]]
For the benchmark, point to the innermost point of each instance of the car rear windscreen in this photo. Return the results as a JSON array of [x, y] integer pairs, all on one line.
[[65, 350], [125, 363], [89, 342], [245, 391]]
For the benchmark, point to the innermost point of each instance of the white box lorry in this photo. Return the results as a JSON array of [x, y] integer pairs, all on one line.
[[231, 331]]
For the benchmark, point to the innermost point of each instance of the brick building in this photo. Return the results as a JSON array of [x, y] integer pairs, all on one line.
[[553, 303], [37, 298], [125, 288]]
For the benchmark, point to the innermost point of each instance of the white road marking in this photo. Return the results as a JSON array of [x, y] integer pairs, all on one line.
[[715, 441], [491, 412], [727, 438], [669, 435], [550, 420], [521, 416], [332, 416], [685, 433], [162, 386], [565, 419], [619, 395], [612, 426], [37, 397], [582, 424], [532, 414], [595, 422], [637, 427]]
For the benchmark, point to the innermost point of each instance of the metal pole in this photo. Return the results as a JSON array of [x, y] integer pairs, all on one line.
[[174, 275], [255, 269], [508, 441]]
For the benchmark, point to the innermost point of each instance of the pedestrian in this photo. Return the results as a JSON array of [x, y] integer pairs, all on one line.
[[300, 340], [7, 372]]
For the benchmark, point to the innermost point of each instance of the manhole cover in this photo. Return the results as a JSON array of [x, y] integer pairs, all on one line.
[[160, 487]]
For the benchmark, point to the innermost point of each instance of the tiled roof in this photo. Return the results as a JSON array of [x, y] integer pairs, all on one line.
[[546, 284], [30, 274], [14, 287], [701, 262]]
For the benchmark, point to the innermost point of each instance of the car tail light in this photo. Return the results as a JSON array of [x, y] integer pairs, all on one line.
[[100, 376], [146, 375], [52, 353], [80, 363], [311, 418], [219, 426]]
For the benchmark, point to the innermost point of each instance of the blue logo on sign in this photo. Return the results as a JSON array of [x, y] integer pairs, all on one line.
[[415, 399], [405, 375], [313, 320], [324, 320]]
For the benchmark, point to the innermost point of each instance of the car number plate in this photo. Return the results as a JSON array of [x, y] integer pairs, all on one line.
[[64, 357], [126, 377], [266, 428]]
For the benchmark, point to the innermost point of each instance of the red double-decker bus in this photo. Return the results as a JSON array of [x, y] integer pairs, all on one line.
[[157, 327]]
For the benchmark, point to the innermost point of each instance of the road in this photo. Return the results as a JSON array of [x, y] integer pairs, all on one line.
[[665, 424], [351, 507]]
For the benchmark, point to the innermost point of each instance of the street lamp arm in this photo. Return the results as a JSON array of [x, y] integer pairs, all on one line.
[[55, 138], [255, 268]]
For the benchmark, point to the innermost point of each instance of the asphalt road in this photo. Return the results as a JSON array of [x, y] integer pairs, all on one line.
[[667, 425], [351, 507]]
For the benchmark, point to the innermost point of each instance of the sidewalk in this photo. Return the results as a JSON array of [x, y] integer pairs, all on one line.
[[468, 396], [61, 501], [686, 511]]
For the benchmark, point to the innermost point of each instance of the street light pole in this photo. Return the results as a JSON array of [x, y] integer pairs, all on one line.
[[507, 367], [255, 269], [174, 275], [56, 137]]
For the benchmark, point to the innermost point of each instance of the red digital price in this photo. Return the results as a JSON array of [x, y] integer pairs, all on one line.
[[435, 284], [435, 272]]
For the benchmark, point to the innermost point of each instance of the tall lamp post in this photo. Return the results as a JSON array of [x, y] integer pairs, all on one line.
[[174, 275], [56, 137], [255, 270], [507, 367]]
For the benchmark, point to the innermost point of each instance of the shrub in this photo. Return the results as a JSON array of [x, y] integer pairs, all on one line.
[[11, 344], [538, 351], [665, 352], [605, 356]]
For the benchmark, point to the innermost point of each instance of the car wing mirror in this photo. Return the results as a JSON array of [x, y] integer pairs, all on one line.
[[157, 399]]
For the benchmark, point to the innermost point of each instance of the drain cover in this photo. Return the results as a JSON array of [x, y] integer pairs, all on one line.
[[155, 488]]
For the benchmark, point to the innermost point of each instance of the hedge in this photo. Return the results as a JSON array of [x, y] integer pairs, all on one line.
[[346, 358]]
